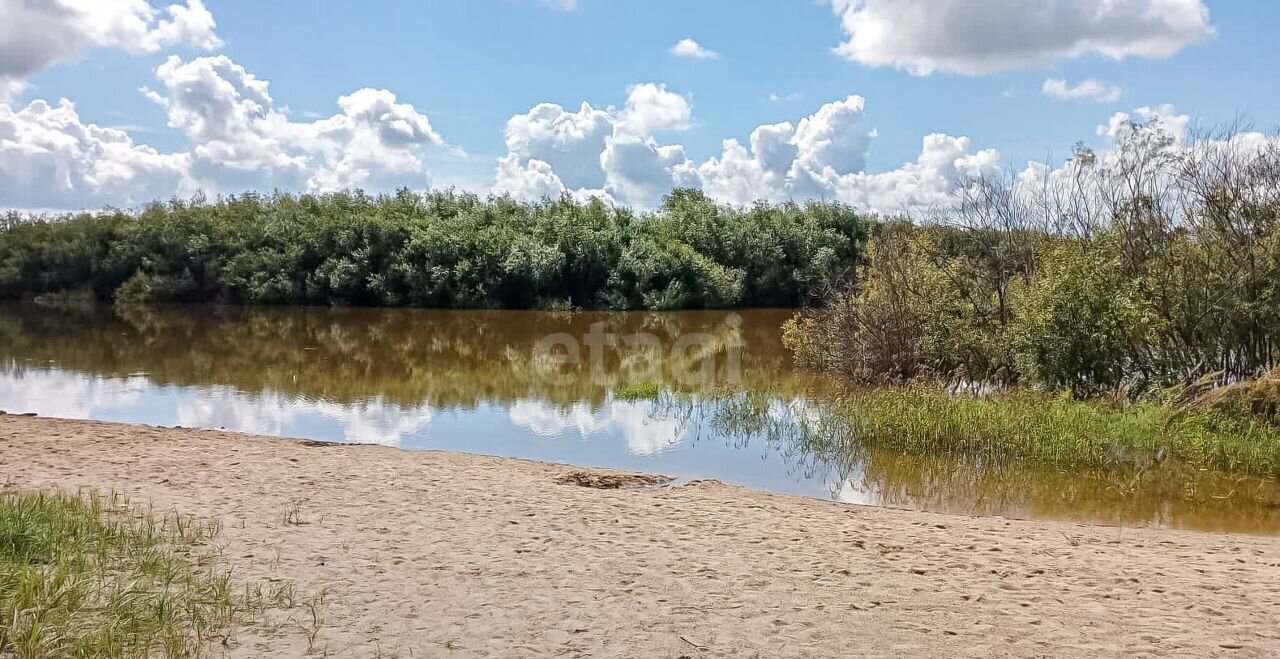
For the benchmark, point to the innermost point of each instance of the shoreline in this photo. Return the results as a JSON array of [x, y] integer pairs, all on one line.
[[428, 553]]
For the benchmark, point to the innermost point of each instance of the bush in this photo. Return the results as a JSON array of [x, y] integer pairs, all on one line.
[[439, 250], [1150, 268], [1078, 322]]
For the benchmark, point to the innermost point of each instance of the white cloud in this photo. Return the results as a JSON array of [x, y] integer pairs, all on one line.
[[692, 49], [527, 178], [549, 141], [738, 175], [49, 158], [641, 171], [830, 141], [228, 117], [10, 89], [563, 5], [240, 139], [958, 36], [945, 163], [37, 34], [1086, 90], [190, 24], [1163, 122], [1172, 122], [374, 141], [1089, 184], [650, 107], [822, 156], [606, 153], [786, 161]]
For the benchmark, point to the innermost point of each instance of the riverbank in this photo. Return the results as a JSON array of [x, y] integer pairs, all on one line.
[[444, 554]]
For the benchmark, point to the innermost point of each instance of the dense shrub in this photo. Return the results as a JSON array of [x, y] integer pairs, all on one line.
[[1079, 319], [438, 250], [1155, 266]]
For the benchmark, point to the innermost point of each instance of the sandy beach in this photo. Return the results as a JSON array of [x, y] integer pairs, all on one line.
[[448, 555]]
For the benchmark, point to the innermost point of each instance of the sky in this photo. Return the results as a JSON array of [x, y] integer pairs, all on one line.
[[883, 104]]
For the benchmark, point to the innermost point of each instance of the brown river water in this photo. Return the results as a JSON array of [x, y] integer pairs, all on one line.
[[563, 387]]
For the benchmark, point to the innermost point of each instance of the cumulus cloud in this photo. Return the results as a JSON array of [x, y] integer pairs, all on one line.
[[944, 165], [829, 142], [1172, 122], [1086, 90], [594, 152], [641, 171], [786, 161], [957, 36], [693, 50], [37, 34], [821, 156], [1096, 181], [239, 139], [228, 116], [824, 157], [9, 89], [650, 107], [374, 140], [238, 136], [49, 158], [550, 149], [1161, 126]]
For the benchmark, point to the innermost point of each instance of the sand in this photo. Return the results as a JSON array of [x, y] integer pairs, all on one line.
[[448, 555]]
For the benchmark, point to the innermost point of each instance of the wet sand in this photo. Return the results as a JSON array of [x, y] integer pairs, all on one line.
[[448, 555]]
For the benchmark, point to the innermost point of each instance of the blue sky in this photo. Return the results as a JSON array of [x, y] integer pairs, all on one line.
[[468, 66]]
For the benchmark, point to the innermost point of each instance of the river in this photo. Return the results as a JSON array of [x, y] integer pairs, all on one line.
[[577, 388]]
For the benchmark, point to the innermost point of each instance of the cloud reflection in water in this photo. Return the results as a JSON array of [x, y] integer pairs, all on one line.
[[645, 434]]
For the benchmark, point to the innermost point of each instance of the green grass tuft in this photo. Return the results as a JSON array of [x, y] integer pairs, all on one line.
[[647, 390], [90, 576]]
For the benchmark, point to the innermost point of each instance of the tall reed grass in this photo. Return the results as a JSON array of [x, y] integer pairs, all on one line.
[[1058, 430], [1017, 426]]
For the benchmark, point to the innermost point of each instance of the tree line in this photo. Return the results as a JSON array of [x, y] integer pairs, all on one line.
[[1153, 265], [439, 249]]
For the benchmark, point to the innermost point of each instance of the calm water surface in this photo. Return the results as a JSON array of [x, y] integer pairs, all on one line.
[[546, 386]]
